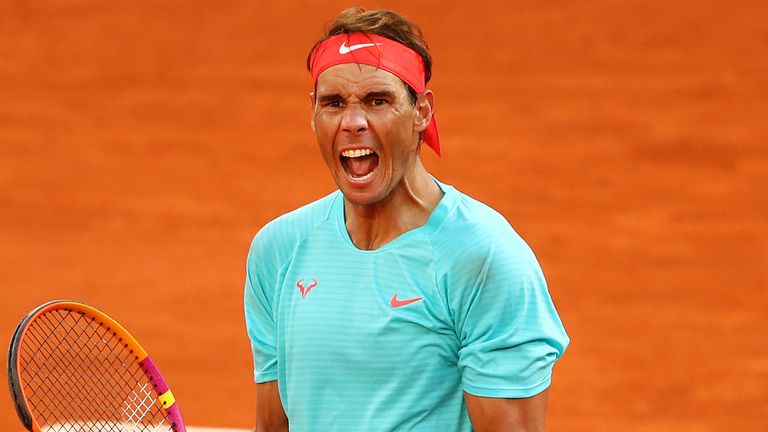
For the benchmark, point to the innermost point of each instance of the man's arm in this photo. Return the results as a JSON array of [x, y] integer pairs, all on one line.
[[507, 415], [270, 415]]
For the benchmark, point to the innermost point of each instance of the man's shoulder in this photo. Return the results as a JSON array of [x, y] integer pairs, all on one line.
[[475, 230], [473, 218], [289, 228]]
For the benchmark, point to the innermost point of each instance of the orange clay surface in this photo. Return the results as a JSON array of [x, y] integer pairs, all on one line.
[[143, 143]]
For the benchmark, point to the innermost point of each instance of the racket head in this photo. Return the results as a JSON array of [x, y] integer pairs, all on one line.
[[72, 366]]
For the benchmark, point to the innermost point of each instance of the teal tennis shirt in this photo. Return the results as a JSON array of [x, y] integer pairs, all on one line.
[[390, 339]]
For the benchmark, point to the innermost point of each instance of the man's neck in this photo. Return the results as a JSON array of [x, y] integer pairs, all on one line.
[[407, 208]]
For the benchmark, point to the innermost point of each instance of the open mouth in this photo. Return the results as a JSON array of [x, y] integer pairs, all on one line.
[[359, 164]]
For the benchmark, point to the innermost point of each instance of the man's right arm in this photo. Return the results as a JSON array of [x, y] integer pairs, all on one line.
[[270, 415], [261, 271]]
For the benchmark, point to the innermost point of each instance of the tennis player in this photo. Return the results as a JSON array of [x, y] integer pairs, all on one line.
[[395, 302]]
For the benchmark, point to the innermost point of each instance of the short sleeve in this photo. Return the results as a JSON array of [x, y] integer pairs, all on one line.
[[508, 329], [260, 283]]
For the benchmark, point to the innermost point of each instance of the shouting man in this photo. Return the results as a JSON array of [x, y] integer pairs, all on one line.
[[396, 302]]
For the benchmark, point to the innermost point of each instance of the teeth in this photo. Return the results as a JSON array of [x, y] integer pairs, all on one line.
[[356, 153]]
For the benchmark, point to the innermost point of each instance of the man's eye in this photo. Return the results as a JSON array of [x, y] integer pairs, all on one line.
[[334, 104], [378, 102]]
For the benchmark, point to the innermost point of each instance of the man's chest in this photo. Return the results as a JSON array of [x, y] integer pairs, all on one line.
[[369, 311]]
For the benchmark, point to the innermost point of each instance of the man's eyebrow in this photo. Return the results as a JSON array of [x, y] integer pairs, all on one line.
[[386, 94], [329, 97]]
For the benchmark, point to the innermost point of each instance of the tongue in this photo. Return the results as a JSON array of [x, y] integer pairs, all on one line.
[[363, 165]]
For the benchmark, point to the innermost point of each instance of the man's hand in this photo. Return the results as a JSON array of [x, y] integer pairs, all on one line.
[[270, 415], [507, 415]]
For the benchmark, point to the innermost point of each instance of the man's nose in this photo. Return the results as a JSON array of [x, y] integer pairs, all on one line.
[[354, 120]]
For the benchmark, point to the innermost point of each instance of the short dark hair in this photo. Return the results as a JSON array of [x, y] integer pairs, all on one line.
[[385, 23]]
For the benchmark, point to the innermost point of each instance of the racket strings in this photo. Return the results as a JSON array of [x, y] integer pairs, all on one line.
[[74, 387], [79, 376], [101, 389]]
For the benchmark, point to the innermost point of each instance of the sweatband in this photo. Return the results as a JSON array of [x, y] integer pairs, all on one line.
[[378, 51]]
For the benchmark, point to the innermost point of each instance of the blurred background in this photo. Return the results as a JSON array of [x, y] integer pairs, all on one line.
[[143, 143]]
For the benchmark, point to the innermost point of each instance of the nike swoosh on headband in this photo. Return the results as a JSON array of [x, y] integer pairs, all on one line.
[[344, 49]]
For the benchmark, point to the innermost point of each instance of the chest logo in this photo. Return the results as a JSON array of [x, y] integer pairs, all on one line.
[[396, 303], [305, 289]]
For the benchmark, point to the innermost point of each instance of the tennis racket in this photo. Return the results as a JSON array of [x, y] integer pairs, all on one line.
[[73, 368]]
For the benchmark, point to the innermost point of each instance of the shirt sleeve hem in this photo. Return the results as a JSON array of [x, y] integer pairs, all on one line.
[[509, 393], [262, 377]]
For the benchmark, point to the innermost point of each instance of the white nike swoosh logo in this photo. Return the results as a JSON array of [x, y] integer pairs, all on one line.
[[344, 49]]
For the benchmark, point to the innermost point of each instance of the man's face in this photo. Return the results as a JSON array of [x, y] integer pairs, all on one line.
[[367, 129]]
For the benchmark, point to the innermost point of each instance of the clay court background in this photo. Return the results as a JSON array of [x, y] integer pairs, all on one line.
[[143, 143]]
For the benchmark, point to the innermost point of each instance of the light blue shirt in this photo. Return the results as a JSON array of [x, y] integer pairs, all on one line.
[[389, 339]]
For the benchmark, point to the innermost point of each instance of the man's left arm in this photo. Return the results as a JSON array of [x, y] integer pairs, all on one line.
[[509, 333], [507, 415]]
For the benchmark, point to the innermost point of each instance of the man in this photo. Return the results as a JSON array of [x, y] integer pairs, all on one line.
[[396, 302]]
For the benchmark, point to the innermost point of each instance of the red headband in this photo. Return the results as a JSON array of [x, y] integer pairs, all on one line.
[[378, 51]]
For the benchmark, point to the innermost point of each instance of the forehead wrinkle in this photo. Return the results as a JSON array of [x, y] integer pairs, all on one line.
[[357, 80]]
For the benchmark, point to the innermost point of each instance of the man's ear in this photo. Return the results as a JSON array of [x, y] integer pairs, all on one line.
[[312, 99], [425, 109]]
